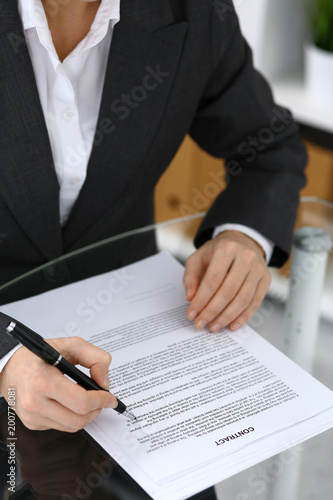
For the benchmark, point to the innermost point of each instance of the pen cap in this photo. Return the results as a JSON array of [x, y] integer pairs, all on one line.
[[30, 339]]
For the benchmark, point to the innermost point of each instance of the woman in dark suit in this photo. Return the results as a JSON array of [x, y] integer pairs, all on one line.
[[96, 97]]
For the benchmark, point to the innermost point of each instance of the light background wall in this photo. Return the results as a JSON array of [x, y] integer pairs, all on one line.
[[275, 29]]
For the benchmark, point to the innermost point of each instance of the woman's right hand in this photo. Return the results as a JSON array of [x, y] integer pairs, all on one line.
[[45, 398]]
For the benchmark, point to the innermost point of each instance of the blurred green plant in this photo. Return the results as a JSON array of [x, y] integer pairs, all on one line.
[[320, 15]]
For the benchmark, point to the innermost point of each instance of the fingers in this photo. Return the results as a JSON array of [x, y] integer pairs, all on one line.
[[45, 398], [213, 278], [233, 284], [194, 270], [53, 401], [70, 395], [232, 298], [79, 351], [64, 419], [254, 305]]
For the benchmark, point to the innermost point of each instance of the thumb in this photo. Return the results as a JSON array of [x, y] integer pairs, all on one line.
[[79, 351], [101, 376]]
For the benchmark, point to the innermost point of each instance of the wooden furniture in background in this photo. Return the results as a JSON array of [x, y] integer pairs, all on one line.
[[194, 179], [190, 184], [319, 173]]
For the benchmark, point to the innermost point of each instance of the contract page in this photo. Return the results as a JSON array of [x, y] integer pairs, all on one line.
[[202, 400]]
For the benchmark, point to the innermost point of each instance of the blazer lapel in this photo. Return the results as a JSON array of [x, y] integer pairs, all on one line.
[[143, 61], [28, 182]]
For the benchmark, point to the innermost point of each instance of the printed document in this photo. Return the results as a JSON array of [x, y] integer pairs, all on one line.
[[207, 405]]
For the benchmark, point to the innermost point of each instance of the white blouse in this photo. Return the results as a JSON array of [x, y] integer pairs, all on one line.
[[70, 92]]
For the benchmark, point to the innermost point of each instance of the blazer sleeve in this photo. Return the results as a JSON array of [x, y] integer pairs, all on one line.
[[238, 120], [6, 344]]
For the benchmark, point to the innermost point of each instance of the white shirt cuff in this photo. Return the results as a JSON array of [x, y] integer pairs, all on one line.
[[7, 357], [266, 244]]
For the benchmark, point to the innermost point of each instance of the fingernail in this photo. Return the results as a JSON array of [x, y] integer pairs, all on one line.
[[201, 324], [216, 327], [106, 382], [192, 315], [234, 326], [188, 293]]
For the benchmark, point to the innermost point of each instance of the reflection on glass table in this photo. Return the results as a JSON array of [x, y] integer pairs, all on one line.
[[70, 467]]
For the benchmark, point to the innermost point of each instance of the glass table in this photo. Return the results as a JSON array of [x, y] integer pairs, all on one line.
[[55, 465]]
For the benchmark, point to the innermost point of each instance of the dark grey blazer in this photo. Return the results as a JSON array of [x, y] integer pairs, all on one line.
[[175, 66]]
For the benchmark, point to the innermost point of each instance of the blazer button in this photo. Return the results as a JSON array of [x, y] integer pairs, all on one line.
[[56, 273]]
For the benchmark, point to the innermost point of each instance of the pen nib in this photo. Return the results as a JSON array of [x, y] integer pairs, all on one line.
[[129, 415]]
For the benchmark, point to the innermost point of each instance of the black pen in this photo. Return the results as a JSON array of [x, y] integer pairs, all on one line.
[[36, 344]]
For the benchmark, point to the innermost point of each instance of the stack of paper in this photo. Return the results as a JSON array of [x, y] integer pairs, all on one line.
[[208, 405]]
